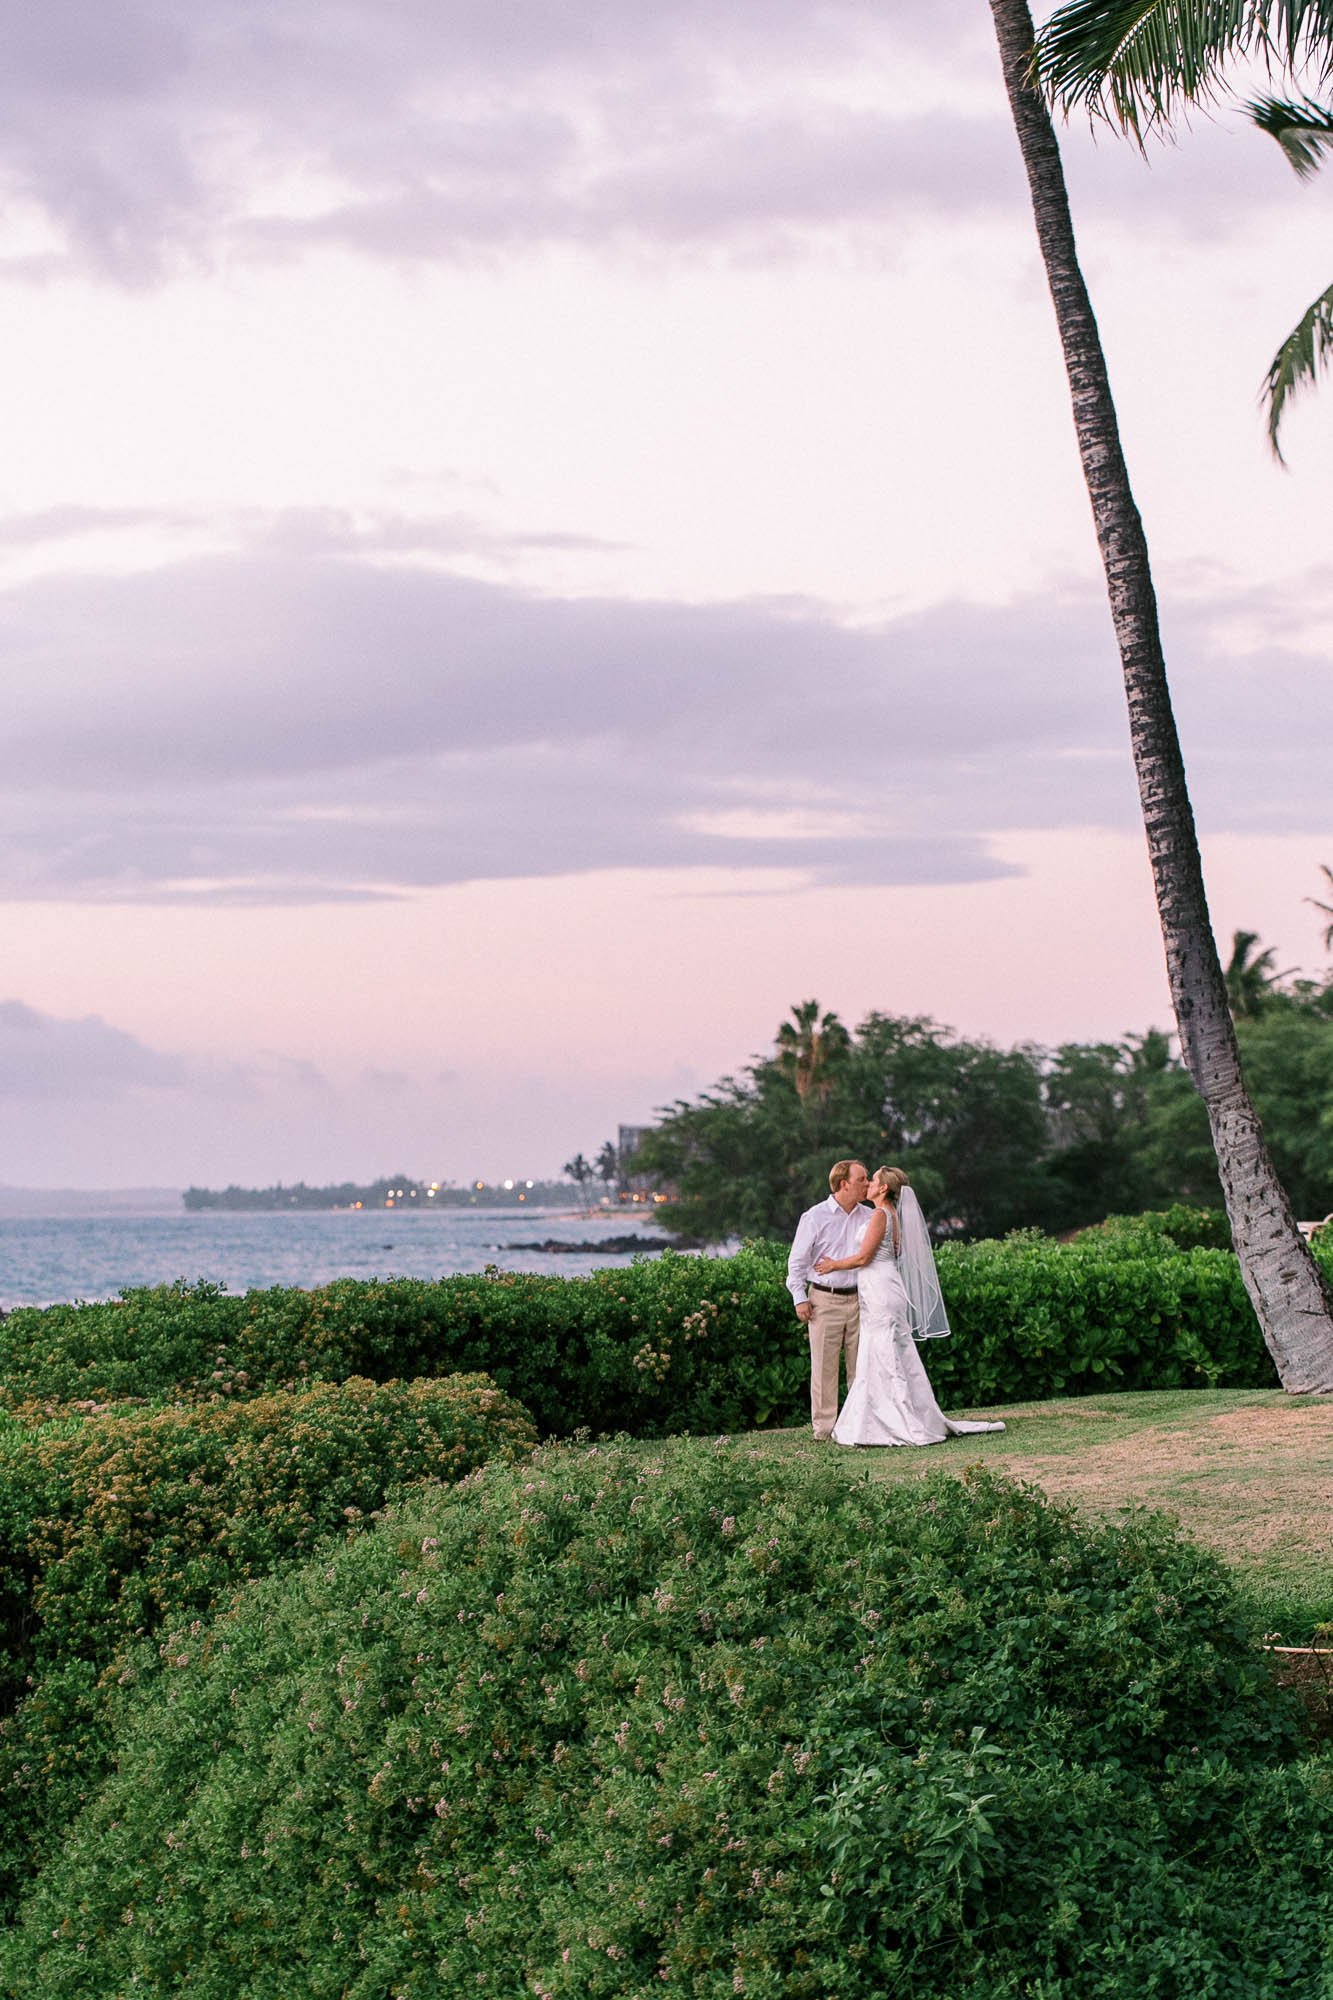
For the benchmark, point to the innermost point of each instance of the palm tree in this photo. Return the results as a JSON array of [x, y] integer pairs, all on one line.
[[581, 1172], [1293, 1303], [1135, 61], [1250, 975], [808, 1046]]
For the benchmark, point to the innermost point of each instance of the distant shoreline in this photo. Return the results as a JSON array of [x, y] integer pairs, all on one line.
[[111, 1204], [395, 1192]]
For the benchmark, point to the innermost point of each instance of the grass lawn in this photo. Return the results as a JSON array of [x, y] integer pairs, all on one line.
[[1249, 1472]]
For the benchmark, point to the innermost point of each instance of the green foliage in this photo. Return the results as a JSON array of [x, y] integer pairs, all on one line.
[[614, 1724], [1033, 1319], [685, 1343], [965, 1118], [1163, 1230], [679, 1343], [112, 1524], [1287, 1050], [140, 1345], [999, 1139], [1288, 1056]]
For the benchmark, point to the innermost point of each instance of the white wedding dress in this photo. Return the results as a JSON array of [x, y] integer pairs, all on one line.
[[891, 1400]]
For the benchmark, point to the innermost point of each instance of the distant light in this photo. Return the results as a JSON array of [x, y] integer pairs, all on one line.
[[478, 1184], [529, 1183], [430, 1193], [509, 1184]]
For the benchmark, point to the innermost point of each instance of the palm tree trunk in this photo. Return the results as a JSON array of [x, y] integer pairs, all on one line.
[[1292, 1300]]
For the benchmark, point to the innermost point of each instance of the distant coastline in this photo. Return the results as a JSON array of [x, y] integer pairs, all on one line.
[[398, 1191]]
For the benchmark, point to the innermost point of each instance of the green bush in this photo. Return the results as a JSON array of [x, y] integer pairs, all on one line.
[[1034, 1318], [138, 1346], [623, 1722], [684, 1343], [1165, 1229], [681, 1343], [111, 1524]]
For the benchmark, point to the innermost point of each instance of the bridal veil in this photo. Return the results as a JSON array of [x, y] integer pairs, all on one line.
[[916, 1267]]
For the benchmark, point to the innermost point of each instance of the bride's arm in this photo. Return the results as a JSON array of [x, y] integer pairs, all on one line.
[[870, 1243]]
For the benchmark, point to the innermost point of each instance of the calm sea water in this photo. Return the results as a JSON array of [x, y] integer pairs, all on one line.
[[44, 1259]]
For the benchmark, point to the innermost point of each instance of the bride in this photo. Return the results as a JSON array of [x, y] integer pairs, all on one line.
[[890, 1401]]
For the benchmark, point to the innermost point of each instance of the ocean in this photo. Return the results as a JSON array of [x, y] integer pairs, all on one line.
[[48, 1258]]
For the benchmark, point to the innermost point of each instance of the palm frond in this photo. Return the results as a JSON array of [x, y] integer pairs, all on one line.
[[1325, 909], [1135, 61], [1296, 32], [1298, 361], [1302, 129]]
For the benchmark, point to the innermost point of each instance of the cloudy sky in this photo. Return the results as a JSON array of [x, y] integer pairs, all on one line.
[[535, 534]]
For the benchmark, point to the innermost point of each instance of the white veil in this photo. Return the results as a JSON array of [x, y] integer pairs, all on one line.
[[916, 1267]]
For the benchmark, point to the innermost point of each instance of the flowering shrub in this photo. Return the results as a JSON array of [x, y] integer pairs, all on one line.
[[682, 1343], [111, 1524], [685, 1343], [619, 1722]]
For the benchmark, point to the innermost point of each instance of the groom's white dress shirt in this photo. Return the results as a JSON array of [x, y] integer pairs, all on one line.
[[826, 1230]]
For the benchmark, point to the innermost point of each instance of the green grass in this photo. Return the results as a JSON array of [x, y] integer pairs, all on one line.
[[1247, 1472]]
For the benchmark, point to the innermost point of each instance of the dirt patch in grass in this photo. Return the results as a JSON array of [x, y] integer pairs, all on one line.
[[1253, 1482], [1231, 1452]]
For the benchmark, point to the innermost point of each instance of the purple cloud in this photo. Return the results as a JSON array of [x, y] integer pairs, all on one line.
[[155, 135], [274, 726], [42, 1057]]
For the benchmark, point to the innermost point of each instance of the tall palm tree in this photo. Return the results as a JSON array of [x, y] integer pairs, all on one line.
[[1291, 1299], [808, 1046], [1136, 61]]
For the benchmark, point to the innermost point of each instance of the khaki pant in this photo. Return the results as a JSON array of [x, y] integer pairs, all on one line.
[[833, 1326]]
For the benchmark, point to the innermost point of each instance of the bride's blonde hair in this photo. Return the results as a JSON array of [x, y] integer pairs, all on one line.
[[894, 1179]]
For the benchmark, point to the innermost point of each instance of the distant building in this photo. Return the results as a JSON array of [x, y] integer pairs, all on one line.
[[629, 1138]]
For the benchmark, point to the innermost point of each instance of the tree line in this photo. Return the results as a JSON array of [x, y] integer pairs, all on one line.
[[994, 1138]]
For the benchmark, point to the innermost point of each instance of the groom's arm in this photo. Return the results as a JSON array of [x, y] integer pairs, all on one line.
[[864, 1254], [799, 1263]]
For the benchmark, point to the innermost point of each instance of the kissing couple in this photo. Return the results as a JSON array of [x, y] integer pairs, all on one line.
[[864, 1284]]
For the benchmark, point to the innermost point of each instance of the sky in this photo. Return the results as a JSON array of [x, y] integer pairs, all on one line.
[[537, 534]]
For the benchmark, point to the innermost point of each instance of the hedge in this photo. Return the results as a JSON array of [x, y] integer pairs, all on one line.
[[683, 1343], [1033, 1319], [623, 1722], [111, 1524], [1177, 1228]]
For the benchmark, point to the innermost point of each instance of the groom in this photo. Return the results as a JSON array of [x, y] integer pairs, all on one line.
[[829, 1307]]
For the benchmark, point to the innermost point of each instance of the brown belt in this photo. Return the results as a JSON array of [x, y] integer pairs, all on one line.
[[838, 1291]]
